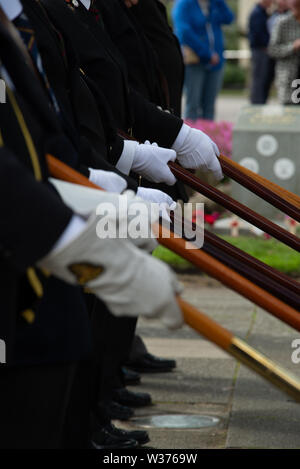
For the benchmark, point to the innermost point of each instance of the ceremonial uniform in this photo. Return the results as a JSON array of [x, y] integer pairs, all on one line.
[[87, 126], [152, 16], [31, 126], [146, 76], [111, 335], [144, 71], [113, 343], [143, 68], [102, 63], [46, 328]]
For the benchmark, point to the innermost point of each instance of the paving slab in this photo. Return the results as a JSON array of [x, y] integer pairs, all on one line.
[[252, 413], [195, 381], [262, 416]]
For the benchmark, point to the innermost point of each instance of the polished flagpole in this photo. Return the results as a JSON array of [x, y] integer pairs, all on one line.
[[198, 320]]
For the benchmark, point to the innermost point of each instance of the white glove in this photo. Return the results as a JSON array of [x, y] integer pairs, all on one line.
[[124, 208], [166, 203], [149, 161], [127, 279], [196, 150], [155, 196], [108, 180]]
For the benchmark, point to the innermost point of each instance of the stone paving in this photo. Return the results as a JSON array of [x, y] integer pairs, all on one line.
[[252, 413]]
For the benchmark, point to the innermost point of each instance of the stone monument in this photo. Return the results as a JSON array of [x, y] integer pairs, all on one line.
[[266, 140]]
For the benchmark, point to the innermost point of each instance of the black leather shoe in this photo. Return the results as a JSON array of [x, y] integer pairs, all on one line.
[[130, 377], [117, 411], [148, 363], [131, 399], [104, 439], [140, 436]]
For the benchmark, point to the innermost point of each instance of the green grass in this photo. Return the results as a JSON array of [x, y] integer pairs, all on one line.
[[271, 252], [171, 258]]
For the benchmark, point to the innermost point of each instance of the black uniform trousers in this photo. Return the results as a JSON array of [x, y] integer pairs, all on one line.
[[40, 396]]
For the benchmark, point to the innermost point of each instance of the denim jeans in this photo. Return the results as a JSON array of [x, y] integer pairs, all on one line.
[[202, 85], [263, 72]]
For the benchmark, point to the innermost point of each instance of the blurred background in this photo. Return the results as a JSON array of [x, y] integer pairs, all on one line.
[[237, 68], [258, 130]]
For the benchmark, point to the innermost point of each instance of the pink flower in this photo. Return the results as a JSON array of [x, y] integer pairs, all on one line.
[[209, 219]]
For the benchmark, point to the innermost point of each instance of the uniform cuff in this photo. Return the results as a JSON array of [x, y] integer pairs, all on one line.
[[127, 157], [180, 139]]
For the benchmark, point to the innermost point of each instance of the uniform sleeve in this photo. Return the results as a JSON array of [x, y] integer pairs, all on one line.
[[32, 215], [152, 124], [93, 159]]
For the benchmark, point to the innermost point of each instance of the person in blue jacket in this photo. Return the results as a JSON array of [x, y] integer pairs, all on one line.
[[198, 25]]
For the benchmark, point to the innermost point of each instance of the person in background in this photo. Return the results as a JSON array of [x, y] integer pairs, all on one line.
[[198, 25], [259, 38], [285, 49], [281, 8]]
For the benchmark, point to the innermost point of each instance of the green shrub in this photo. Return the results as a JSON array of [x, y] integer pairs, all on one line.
[[235, 77]]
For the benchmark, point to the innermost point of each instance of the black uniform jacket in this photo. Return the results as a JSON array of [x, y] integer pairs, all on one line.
[[152, 16], [41, 319], [104, 65], [89, 127], [144, 73]]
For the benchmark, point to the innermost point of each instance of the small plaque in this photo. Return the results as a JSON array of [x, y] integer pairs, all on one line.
[[251, 164], [267, 145], [284, 169]]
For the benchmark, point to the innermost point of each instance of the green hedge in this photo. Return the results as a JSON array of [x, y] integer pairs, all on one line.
[[235, 77]]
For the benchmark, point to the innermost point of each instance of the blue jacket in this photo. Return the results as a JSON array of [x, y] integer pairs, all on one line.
[[259, 35], [202, 33]]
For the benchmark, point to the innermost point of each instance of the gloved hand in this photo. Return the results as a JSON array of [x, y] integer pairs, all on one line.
[[156, 196], [195, 150], [117, 211], [108, 180], [128, 280], [149, 161], [166, 203]]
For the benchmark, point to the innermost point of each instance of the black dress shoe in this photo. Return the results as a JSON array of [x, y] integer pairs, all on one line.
[[117, 411], [130, 377], [140, 436], [131, 399], [148, 363], [104, 439]]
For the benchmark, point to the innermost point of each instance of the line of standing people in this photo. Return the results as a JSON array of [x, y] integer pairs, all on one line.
[[69, 300]]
